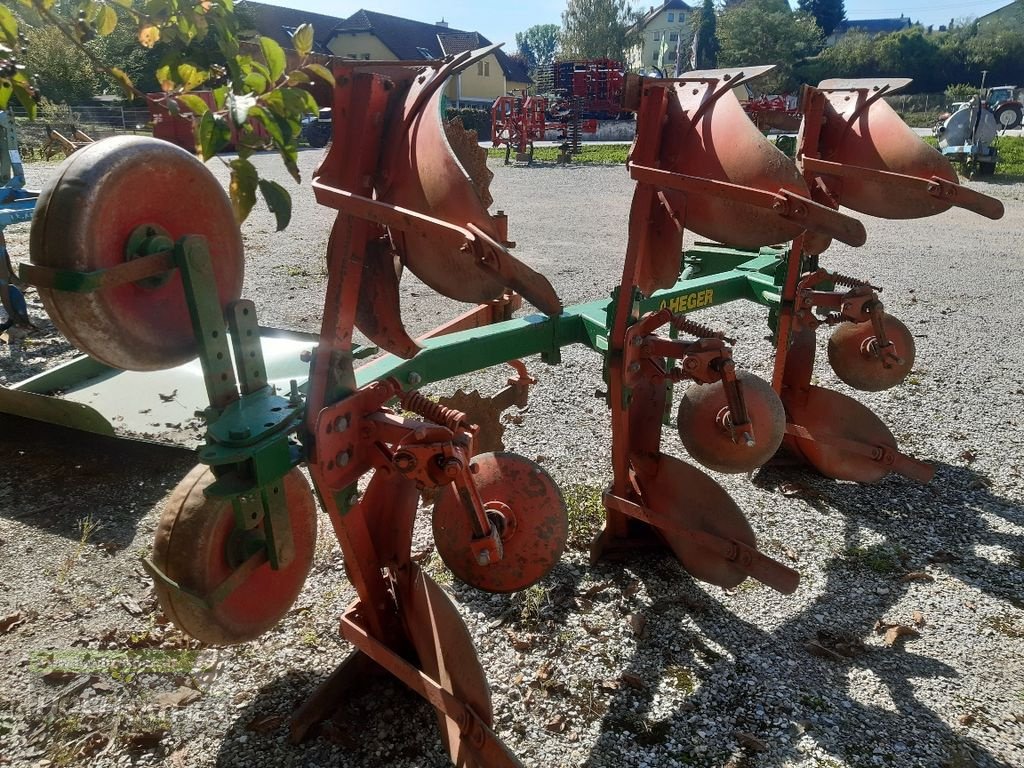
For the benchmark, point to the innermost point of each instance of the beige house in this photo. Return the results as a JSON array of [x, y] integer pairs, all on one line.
[[372, 35], [664, 33]]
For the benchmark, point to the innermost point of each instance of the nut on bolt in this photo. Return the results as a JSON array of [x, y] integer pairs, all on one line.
[[483, 557], [452, 467]]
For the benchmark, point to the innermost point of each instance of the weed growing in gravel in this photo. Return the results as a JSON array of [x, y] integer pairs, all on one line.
[[879, 558], [681, 678], [1005, 624], [532, 601], [86, 528], [437, 570], [586, 513]]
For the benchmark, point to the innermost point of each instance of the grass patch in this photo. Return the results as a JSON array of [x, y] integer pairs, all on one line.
[[86, 528], [878, 558], [1005, 624], [681, 678], [596, 154], [586, 514], [1011, 154]]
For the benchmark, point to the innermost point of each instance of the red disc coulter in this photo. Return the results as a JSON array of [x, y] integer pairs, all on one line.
[[143, 284]]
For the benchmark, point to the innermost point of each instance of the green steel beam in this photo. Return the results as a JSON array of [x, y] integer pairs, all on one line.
[[750, 276]]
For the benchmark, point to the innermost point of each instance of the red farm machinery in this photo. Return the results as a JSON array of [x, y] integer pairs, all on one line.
[[143, 285], [571, 97]]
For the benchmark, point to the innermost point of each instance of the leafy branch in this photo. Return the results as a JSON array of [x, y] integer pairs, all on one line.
[[257, 102]]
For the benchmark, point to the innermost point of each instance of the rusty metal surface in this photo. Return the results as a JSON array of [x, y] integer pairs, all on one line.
[[679, 491], [524, 502], [446, 654], [704, 420], [845, 439], [708, 135], [378, 314], [83, 221], [193, 538], [866, 133], [855, 356]]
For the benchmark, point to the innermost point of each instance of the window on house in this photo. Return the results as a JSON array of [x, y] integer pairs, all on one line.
[[654, 58], [671, 17], [366, 57], [656, 37], [673, 38], [483, 68]]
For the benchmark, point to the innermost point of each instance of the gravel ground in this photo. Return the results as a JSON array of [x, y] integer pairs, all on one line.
[[607, 665]]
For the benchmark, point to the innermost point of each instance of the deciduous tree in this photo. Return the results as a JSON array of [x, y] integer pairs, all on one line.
[[599, 28], [538, 45], [760, 32]]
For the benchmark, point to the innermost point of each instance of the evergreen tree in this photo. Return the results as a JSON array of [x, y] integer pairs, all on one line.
[[705, 45], [828, 13]]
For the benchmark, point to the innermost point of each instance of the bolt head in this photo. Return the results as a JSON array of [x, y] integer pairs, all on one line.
[[342, 458], [340, 424], [483, 557]]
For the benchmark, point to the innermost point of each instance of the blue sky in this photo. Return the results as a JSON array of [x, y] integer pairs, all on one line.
[[499, 22]]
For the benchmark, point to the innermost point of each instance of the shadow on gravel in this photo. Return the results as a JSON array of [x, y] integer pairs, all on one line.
[[940, 524], [384, 714], [54, 477], [838, 685]]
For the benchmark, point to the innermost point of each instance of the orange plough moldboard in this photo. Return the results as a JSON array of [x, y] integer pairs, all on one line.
[[140, 286]]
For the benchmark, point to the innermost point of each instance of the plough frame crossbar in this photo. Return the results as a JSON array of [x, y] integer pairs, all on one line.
[[411, 193]]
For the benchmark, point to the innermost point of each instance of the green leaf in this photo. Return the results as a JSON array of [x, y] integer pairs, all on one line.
[[9, 27], [191, 77], [290, 154], [24, 96], [242, 188], [106, 20], [238, 105], [274, 55], [195, 104], [255, 82], [303, 39], [164, 77], [278, 201], [6, 91], [220, 95], [124, 81], [269, 123], [123, 3], [320, 71], [214, 135], [297, 77]]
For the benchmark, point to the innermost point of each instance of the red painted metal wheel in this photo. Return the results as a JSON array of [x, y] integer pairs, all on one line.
[[101, 196], [446, 654], [686, 496], [703, 423], [825, 413], [852, 353], [523, 500], [193, 546]]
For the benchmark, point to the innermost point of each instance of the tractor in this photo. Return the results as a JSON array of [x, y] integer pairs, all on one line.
[[1005, 103]]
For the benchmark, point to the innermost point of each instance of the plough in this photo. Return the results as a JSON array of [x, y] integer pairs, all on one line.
[[142, 285]]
